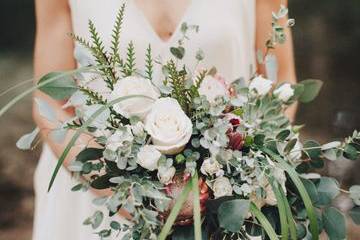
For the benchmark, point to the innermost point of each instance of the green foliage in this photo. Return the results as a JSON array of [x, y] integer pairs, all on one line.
[[149, 63], [115, 42], [89, 154], [355, 215], [328, 189], [129, 66], [311, 90], [334, 223], [60, 89], [231, 214], [355, 194], [93, 96]]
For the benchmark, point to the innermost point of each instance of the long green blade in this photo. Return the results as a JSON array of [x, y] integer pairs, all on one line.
[[82, 129], [263, 221], [197, 210], [291, 221], [37, 86], [175, 211], [314, 228], [281, 208]]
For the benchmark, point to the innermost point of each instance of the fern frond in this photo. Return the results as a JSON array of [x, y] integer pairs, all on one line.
[[149, 63], [129, 66], [200, 78], [82, 41], [94, 97], [116, 37]]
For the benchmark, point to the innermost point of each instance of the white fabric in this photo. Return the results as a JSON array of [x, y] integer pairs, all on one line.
[[226, 36]]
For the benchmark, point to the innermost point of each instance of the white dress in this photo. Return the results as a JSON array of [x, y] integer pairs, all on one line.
[[226, 36]]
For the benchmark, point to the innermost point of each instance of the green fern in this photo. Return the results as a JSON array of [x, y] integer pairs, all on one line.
[[115, 48], [129, 67], [177, 80], [149, 63], [94, 97]]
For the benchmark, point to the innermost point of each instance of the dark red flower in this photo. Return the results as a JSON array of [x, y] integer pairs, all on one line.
[[235, 121], [236, 140]]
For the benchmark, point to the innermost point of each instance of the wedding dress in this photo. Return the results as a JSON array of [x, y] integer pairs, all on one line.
[[227, 38]]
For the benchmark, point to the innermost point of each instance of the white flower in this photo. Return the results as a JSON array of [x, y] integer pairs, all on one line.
[[139, 106], [222, 187], [212, 87], [148, 157], [168, 126], [261, 85], [284, 92], [211, 167], [119, 139], [166, 175]]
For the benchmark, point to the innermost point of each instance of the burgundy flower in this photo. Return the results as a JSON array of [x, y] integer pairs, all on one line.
[[236, 140]]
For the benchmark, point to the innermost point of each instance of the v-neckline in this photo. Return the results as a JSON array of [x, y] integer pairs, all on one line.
[[151, 28]]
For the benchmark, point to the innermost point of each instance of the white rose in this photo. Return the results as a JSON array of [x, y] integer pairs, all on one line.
[[222, 187], [284, 92], [166, 175], [261, 85], [134, 106], [212, 88], [148, 157], [210, 167], [168, 125], [119, 139]]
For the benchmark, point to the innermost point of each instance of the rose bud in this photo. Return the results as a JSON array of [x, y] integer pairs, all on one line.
[[236, 140], [235, 121]]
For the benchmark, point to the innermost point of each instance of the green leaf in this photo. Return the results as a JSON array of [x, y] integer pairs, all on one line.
[[77, 187], [231, 214], [283, 135], [350, 152], [311, 90], [334, 223], [60, 89], [197, 210], [178, 52], [98, 218], [302, 191], [263, 221], [101, 182], [281, 208], [355, 215], [314, 149], [25, 142], [89, 154], [291, 144], [311, 189], [175, 212], [328, 189], [355, 194]]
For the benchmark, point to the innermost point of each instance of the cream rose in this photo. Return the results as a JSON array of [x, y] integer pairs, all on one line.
[[211, 167], [261, 85], [148, 157], [284, 92], [166, 175], [222, 187], [168, 126], [213, 87], [134, 86]]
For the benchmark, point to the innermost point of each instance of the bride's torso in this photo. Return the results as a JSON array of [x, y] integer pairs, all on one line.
[[226, 32]]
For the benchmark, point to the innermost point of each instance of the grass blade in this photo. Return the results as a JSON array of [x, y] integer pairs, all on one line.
[[314, 228], [197, 210], [175, 211], [263, 221]]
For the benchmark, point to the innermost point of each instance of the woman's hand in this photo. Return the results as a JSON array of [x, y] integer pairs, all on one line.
[[174, 189]]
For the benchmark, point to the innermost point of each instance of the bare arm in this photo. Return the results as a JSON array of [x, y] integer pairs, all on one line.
[[284, 53]]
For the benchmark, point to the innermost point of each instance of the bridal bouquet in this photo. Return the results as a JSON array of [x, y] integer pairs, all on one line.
[[194, 157]]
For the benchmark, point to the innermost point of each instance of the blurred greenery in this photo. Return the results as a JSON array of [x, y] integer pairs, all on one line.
[[326, 37]]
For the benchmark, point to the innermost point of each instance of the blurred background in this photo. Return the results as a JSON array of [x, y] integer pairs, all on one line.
[[327, 47]]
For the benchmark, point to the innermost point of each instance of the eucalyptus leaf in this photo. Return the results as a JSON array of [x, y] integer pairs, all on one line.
[[59, 89], [355, 215], [312, 149], [25, 142], [311, 189], [231, 214], [45, 110], [328, 189], [178, 52], [98, 218], [311, 90], [350, 152], [331, 145], [89, 154], [355, 194], [334, 223], [283, 135]]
